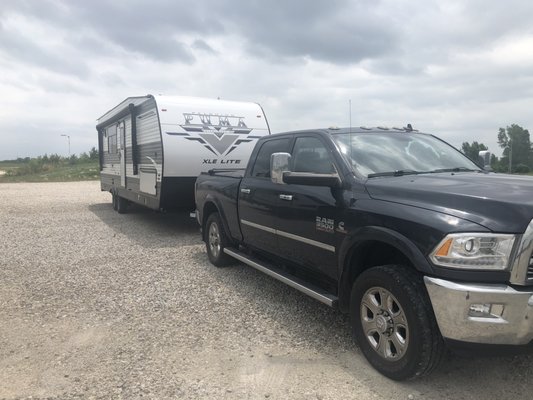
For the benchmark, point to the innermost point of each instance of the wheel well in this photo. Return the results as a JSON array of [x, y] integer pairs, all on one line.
[[363, 256]]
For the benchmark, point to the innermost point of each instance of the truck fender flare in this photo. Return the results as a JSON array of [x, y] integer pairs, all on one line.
[[377, 234], [216, 203]]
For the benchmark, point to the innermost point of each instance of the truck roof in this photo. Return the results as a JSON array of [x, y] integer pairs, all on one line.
[[361, 129], [353, 130], [364, 129]]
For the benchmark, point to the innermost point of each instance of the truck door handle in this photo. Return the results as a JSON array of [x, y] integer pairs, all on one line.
[[287, 197], [245, 190]]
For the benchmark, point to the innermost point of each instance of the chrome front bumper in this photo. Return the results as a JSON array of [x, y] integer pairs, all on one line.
[[482, 313]]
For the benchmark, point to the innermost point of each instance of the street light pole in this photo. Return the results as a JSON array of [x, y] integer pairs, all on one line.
[[510, 156], [68, 137]]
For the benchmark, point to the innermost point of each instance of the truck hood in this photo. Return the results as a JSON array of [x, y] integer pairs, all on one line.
[[499, 202]]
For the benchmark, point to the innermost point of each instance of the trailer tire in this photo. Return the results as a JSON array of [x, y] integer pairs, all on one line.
[[216, 241], [393, 322], [114, 200], [122, 204]]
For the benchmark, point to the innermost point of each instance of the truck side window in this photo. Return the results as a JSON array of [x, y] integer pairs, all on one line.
[[262, 162], [311, 155]]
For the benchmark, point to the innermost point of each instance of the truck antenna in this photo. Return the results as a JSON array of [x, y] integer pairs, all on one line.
[[350, 113]]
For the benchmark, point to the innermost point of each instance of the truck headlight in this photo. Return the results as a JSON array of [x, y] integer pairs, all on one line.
[[482, 251]]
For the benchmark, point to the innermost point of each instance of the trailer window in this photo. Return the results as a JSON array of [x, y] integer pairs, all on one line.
[[112, 139]]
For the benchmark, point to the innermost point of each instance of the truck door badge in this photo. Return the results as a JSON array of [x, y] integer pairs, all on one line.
[[340, 227], [325, 224]]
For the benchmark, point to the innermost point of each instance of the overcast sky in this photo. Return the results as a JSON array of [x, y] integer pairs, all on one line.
[[459, 69]]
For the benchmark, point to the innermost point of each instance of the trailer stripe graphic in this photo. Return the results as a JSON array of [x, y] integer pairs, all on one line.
[[216, 132]]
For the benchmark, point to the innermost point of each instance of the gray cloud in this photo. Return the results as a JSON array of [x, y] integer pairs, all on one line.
[[338, 31], [461, 69], [20, 46], [332, 31], [200, 44], [146, 28]]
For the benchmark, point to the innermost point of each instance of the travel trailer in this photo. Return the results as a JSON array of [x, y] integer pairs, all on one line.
[[152, 148]]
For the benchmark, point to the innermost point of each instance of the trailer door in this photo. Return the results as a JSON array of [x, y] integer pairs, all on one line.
[[122, 135]]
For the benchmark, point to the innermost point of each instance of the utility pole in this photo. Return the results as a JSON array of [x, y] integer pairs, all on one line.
[[68, 137]]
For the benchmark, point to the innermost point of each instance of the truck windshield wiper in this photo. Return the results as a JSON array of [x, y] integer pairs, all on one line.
[[401, 172], [398, 172], [456, 169]]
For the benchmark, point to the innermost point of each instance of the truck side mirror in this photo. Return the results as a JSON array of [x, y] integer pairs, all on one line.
[[484, 160], [279, 163]]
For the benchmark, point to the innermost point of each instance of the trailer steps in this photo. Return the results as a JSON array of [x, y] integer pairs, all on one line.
[[294, 282]]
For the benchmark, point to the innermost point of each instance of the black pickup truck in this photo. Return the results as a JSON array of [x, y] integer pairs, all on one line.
[[419, 245]]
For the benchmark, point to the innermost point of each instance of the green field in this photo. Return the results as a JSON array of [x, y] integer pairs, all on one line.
[[20, 172]]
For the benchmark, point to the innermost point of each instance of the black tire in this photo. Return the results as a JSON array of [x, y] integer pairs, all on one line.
[[393, 322], [122, 204], [114, 200], [216, 241]]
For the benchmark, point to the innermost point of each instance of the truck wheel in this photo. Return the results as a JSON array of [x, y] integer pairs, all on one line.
[[216, 241], [122, 204], [393, 322]]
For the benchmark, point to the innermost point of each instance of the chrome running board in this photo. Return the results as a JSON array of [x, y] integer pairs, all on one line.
[[292, 281]]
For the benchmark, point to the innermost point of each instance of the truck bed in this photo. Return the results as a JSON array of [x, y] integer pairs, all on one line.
[[222, 184], [230, 173]]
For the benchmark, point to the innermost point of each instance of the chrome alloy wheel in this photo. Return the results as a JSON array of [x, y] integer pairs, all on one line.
[[384, 323], [214, 240]]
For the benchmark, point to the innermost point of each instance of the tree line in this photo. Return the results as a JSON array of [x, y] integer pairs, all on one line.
[[46, 163], [91, 155], [517, 152]]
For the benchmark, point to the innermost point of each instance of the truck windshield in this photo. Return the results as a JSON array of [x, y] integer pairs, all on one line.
[[393, 154]]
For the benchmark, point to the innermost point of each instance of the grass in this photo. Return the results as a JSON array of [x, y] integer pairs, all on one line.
[[82, 171]]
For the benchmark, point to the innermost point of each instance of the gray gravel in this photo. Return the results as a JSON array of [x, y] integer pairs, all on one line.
[[94, 304]]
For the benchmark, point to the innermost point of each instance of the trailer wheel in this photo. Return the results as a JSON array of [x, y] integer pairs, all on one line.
[[114, 200], [393, 322], [122, 204], [216, 241]]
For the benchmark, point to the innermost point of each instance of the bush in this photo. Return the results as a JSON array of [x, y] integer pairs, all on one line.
[[521, 169], [54, 159], [84, 157], [73, 160], [34, 165], [93, 154]]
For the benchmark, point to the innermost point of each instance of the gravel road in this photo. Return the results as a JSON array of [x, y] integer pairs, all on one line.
[[94, 304]]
